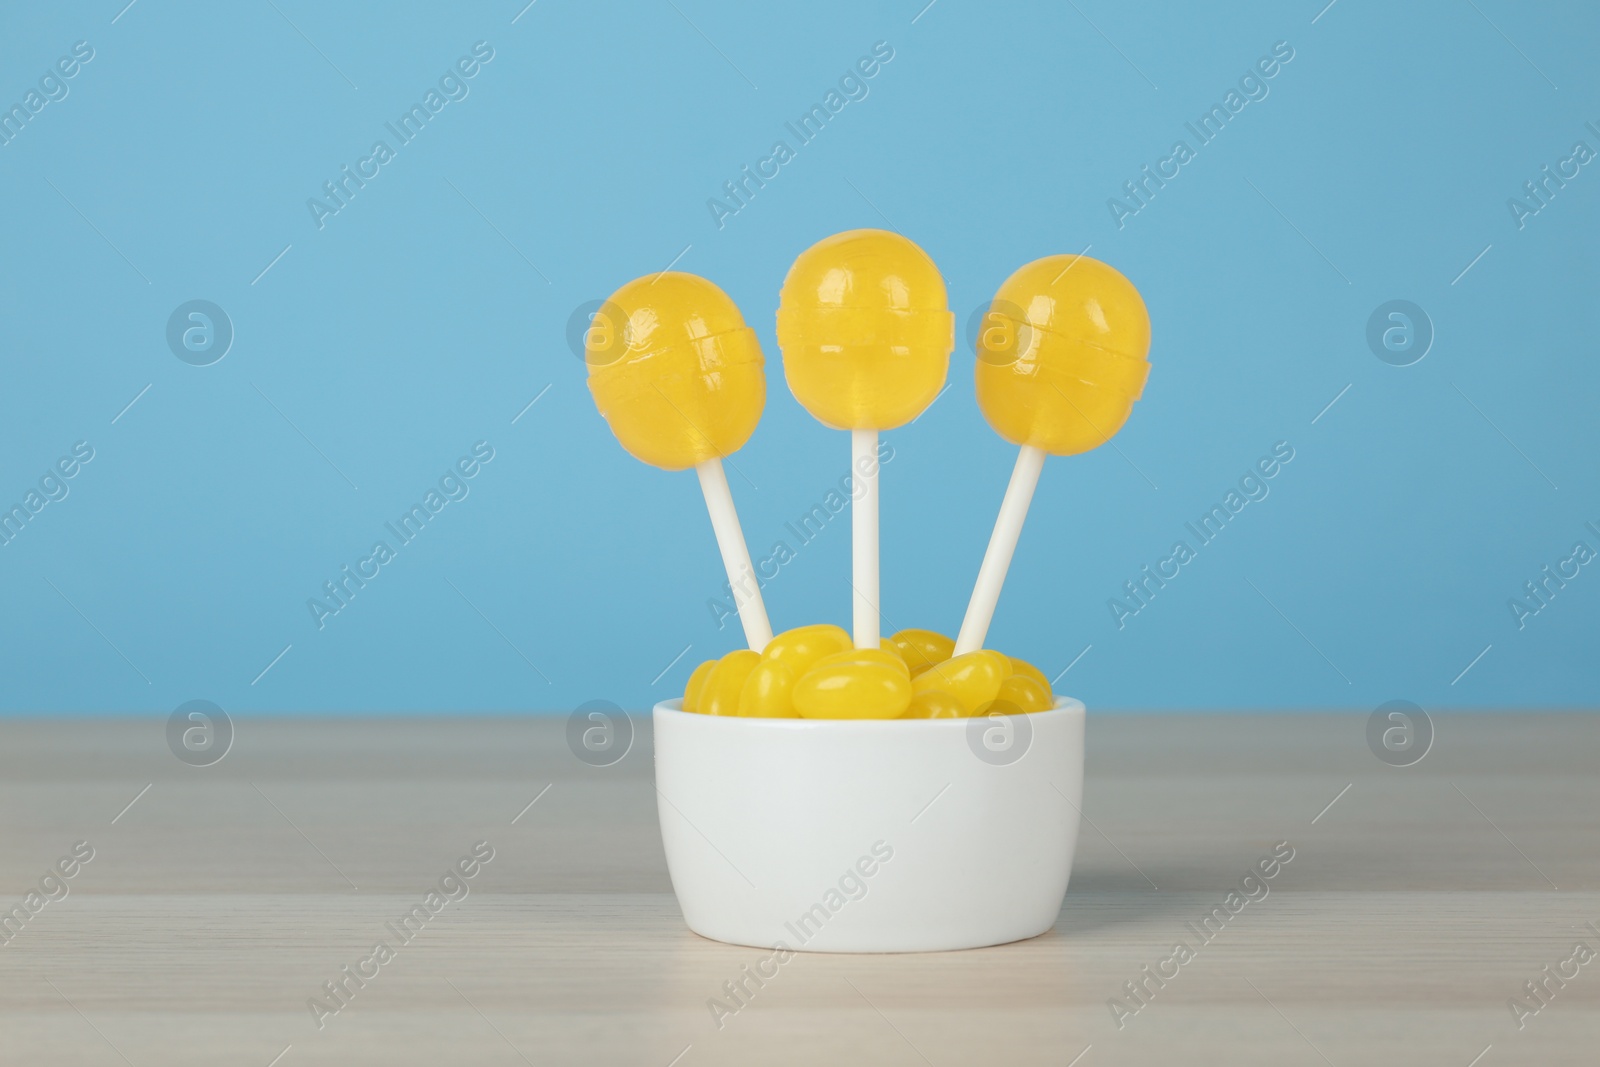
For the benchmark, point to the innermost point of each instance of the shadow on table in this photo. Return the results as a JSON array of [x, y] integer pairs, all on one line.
[[1099, 899]]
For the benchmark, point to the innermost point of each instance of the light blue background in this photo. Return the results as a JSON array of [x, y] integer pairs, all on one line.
[[412, 326]]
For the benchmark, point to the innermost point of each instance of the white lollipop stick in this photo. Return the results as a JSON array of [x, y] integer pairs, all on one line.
[[864, 537], [1002, 543], [735, 554]]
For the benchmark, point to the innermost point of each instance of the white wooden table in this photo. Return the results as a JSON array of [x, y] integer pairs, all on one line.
[[223, 899]]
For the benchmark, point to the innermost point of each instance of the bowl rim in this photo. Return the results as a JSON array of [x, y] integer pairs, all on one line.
[[671, 710]]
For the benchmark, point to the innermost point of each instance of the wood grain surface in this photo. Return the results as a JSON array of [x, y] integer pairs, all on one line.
[[218, 904]]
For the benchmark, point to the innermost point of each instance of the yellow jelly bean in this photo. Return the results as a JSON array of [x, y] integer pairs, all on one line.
[[865, 655], [935, 704], [816, 672], [721, 693], [1022, 692], [1019, 666], [853, 691], [973, 679], [697, 684], [799, 648], [769, 692], [921, 649]]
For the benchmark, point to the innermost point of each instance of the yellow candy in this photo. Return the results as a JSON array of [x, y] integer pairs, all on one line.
[[973, 679], [799, 648], [697, 683], [1061, 355], [921, 649], [864, 655], [865, 329], [768, 692], [675, 370], [723, 686], [853, 691], [935, 704], [1020, 692], [1019, 666], [816, 672]]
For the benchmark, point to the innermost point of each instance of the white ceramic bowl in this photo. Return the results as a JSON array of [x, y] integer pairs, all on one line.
[[869, 836]]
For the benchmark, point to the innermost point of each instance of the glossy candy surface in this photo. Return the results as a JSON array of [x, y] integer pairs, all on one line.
[[697, 682], [1022, 693], [973, 679], [872, 656], [675, 371], [768, 692], [935, 704], [1061, 354], [816, 672], [726, 682], [1019, 666], [802, 646], [921, 649], [865, 329], [852, 690]]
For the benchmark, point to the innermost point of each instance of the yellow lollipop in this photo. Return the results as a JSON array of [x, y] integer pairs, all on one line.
[[1061, 359], [866, 333], [678, 377]]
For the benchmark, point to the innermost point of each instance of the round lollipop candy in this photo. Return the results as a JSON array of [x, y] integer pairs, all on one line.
[[678, 376], [1061, 359], [866, 334]]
